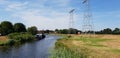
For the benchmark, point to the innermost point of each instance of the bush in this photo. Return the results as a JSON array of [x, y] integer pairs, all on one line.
[[21, 37]]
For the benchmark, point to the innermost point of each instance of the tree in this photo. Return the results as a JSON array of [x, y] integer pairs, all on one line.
[[47, 31], [19, 27], [107, 31], [6, 28], [116, 31], [32, 30], [72, 31], [67, 31], [56, 30], [64, 31]]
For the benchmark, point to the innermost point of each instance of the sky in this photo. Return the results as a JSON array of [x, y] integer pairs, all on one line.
[[54, 14]]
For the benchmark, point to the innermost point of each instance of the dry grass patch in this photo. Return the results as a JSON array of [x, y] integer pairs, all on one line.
[[3, 38]]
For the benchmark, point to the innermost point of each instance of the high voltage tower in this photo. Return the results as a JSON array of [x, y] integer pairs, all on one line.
[[71, 20], [87, 26]]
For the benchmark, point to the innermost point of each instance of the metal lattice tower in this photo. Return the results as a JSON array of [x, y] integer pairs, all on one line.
[[71, 20], [87, 21]]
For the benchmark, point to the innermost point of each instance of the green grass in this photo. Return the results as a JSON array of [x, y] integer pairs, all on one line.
[[2, 43], [63, 51], [92, 40], [115, 50]]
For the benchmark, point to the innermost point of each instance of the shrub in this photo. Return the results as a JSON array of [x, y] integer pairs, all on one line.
[[21, 37]]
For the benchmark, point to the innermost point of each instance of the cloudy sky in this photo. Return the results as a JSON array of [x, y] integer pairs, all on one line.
[[53, 14]]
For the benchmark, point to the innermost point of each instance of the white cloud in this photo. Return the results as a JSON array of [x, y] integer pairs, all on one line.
[[34, 18], [40, 15], [16, 6]]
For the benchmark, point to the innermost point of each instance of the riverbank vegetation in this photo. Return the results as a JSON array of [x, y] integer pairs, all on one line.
[[11, 34], [20, 37], [82, 46]]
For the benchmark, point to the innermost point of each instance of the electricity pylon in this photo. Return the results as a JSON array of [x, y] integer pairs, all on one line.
[[87, 26], [71, 21]]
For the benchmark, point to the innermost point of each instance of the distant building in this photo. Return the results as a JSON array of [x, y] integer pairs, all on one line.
[[79, 33]]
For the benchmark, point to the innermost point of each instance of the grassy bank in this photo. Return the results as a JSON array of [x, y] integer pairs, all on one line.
[[63, 49], [16, 38], [97, 46]]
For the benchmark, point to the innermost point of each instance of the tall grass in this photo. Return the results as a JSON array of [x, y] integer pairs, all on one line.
[[66, 53], [63, 51]]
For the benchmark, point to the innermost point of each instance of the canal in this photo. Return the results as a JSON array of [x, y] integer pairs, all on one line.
[[37, 49]]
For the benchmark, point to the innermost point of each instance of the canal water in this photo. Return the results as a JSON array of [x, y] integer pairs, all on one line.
[[37, 49]]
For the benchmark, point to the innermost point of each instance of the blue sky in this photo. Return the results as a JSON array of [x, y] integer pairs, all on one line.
[[53, 14]]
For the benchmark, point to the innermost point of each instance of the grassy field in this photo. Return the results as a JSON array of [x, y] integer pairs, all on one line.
[[85, 46]]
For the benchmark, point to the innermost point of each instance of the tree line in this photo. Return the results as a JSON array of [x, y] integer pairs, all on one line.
[[7, 27], [75, 31], [109, 31], [67, 31]]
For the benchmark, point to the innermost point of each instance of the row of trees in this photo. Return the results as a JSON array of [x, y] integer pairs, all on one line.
[[67, 31], [7, 27], [75, 31], [109, 31]]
